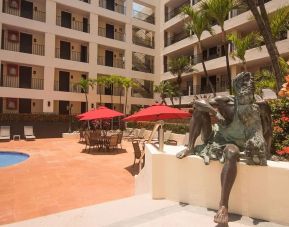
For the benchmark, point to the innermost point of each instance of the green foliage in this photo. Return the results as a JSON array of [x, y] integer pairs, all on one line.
[[280, 117], [279, 22], [264, 79], [166, 90], [180, 65], [175, 128], [241, 45], [85, 84], [218, 10], [198, 22]]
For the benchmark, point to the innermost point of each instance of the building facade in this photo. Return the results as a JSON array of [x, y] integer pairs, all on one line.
[[176, 42], [47, 46]]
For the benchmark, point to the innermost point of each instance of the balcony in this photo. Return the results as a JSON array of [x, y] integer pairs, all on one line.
[[175, 38], [144, 17], [113, 6], [28, 10], [82, 26], [116, 62], [30, 48], [69, 87], [111, 35], [143, 37], [72, 55], [176, 11], [142, 62], [17, 82]]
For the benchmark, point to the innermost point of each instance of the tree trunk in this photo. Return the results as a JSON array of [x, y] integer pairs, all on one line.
[[225, 44], [179, 80], [205, 69], [245, 66], [100, 91], [172, 101], [126, 91], [86, 106], [265, 30]]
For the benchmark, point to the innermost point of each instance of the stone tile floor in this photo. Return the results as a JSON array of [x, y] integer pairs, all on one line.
[[60, 176]]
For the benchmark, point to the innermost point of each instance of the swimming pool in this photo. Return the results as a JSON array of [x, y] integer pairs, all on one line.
[[8, 158]]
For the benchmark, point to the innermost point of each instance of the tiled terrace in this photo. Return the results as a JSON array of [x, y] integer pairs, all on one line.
[[59, 176]]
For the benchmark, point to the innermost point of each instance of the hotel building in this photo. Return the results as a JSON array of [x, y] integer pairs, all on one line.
[[47, 46]]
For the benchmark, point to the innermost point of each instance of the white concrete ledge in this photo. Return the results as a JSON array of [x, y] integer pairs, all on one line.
[[74, 135], [258, 192]]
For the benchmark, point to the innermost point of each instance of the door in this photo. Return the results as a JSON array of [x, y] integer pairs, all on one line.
[[83, 53], [26, 9], [110, 31], [64, 81], [109, 58], [110, 4], [1, 78], [25, 43], [1, 105], [83, 107], [2, 39], [63, 107], [65, 19], [64, 50], [85, 24], [25, 77], [24, 105]]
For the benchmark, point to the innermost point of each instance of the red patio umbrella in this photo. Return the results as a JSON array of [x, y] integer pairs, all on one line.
[[158, 112], [101, 112], [84, 114]]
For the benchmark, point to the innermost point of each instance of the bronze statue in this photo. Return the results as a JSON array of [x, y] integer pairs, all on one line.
[[244, 127]]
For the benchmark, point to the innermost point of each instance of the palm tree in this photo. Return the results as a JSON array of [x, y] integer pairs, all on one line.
[[119, 83], [218, 11], [84, 85], [178, 66], [279, 22], [262, 19], [197, 24], [166, 90], [127, 83], [264, 79], [241, 45], [101, 81]]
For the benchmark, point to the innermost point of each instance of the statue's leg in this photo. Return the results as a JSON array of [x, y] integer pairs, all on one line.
[[228, 177], [199, 123]]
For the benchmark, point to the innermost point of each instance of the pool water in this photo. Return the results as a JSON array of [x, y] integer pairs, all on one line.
[[8, 158]]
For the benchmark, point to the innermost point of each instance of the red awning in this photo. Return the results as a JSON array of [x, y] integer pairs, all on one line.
[[101, 112], [158, 112]]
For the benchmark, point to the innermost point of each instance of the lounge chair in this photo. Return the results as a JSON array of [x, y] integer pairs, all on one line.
[[5, 133], [28, 133]]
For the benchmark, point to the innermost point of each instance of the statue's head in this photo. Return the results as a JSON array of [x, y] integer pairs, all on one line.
[[243, 84]]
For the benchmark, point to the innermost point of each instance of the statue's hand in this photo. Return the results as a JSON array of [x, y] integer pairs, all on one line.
[[221, 119], [182, 154]]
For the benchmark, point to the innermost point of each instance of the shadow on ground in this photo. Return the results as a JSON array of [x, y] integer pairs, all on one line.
[[103, 151]]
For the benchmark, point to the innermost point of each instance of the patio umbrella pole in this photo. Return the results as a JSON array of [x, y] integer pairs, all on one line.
[[161, 136]]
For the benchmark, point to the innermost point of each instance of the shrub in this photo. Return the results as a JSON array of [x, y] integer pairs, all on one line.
[[280, 118]]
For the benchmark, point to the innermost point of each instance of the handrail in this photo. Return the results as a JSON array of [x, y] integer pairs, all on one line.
[[144, 17], [13, 82], [117, 35], [117, 7]]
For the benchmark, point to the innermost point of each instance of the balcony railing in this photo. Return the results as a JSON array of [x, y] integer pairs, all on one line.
[[176, 38], [74, 56], [73, 87], [144, 17], [36, 14], [145, 42], [13, 81], [116, 35], [116, 63], [75, 25], [36, 49], [114, 7], [174, 12]]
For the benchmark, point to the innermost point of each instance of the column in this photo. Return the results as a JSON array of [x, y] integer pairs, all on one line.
[[48, 89], [50, 13], [93, 24]]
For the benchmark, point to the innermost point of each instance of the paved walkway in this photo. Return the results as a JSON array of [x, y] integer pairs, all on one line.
[[140, 211], [59, 176]]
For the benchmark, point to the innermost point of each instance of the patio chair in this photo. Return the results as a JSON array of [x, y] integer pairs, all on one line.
[[138, 154], [28, 133], [167, 139], [88, 141], [112, 142], [81, 135], [5, 133], [95, 138], [119, 139], [134, 135]]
